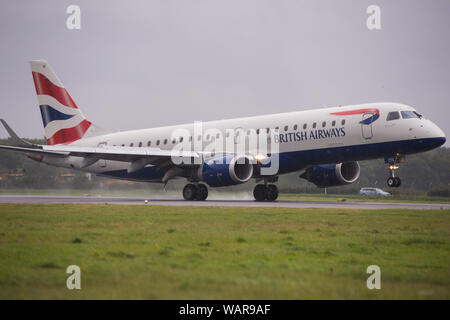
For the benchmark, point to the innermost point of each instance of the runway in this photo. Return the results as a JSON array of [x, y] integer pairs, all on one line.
[[167, 201]]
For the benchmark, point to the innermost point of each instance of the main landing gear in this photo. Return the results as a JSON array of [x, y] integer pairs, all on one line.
[[195, 192], [393, 181], [267, 192]]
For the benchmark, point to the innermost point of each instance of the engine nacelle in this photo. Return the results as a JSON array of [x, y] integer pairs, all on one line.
[[330, 175], [226, 171]]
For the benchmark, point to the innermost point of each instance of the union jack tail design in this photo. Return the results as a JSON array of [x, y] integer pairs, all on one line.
[[63, 121]]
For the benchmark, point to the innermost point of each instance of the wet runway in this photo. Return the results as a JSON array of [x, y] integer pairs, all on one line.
[[167, 201]]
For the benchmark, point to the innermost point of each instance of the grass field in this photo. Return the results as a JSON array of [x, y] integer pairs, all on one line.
[[156, 252]]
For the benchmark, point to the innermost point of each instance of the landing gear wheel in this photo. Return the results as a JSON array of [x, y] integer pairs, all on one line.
[[189, 192], [202, 192], [260, 192], [391, 182], [272, 192], [394, 182]]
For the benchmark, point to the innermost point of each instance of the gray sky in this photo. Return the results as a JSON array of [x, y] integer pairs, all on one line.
[[138, 64]]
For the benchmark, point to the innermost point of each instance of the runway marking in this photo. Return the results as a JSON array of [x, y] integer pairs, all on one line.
[[30, 199]]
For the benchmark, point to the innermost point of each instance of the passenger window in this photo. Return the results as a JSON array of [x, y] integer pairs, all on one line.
[[165, 141], [257, 131], [149, 144], [295, 127], [286, 128], [314, 125], [333, 123], [343, 122], [140, 144], [393, 116], [324, 124], [157, 142], [123, 145], [131, 144], [304, 126], [181, 139]]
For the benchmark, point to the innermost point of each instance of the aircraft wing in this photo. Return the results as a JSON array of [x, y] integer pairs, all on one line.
[[125, 154], [137, 156], [35, 149]]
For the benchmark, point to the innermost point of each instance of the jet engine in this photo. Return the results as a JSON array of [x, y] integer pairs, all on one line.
[[330, 175], [226, 170]]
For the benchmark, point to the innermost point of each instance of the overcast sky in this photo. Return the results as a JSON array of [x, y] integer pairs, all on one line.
[[138, 64]]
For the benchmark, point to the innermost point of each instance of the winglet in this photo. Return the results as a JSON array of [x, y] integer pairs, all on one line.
[[18, 142]]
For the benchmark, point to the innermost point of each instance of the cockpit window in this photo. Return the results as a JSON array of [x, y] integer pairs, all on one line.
[[409, 114], [393, 116]]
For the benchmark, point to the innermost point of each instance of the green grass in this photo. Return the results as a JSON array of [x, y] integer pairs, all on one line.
[[156, 252]]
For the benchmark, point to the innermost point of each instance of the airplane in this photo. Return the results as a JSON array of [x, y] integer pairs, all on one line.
[[322, 145]]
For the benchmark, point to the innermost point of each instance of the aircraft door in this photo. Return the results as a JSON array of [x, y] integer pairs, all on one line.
[[366, 129]]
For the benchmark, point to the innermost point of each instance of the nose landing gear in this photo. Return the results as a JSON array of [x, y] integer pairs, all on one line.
[[393, 181], [195, 192], [267, 192]]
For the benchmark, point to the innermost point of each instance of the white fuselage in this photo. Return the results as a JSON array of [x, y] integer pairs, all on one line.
[[327, 135]]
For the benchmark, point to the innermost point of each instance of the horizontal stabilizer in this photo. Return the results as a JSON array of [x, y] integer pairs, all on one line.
[[18, 142]]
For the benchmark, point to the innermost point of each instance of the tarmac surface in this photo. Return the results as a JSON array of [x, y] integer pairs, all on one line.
[[32, 199]]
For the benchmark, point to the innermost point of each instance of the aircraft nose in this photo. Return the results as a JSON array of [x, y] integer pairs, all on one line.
[[441, 141], [432, 136], [439, 135]]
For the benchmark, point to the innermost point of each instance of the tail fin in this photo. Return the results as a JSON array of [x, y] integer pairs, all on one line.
[[63, 121]]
